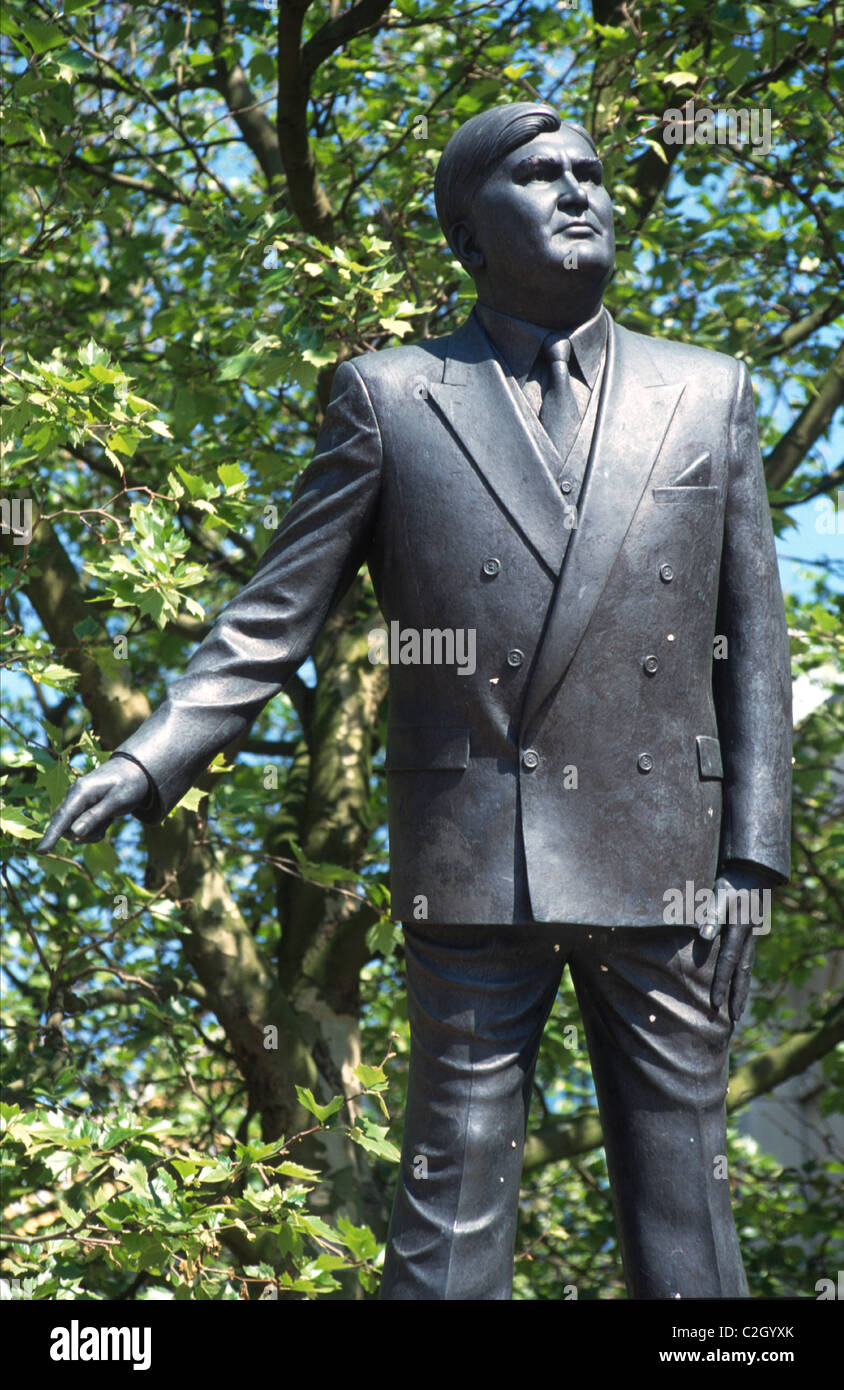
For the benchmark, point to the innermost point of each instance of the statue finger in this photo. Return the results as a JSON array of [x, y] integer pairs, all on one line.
[[78, 799], [728, 955], [717, 911], [94, 822], [741, 978]]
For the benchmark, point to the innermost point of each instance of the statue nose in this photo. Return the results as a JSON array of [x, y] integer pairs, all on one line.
[[571, 188]]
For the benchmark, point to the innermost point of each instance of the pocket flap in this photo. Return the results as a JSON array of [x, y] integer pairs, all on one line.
[[709, 757], [424, 748], [684, 494]]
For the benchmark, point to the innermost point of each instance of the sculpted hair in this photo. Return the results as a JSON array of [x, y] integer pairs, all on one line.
[[479, 146]]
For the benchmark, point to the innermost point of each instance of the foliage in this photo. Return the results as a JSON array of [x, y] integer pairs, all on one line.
[[206, 210]]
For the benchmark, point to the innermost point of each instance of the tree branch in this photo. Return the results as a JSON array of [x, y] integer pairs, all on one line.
[[256, 129], [239, 984], [152, 190], [309, 198], [337, 33], [566, 1138], [810, 424], [828, 483], [52, 587], [798, 332]]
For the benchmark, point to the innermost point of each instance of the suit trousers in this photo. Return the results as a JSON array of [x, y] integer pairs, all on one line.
[[478, 1000]]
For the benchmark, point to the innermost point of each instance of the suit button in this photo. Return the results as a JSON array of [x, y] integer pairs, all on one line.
[[491, 567], [530, 759], [565, 485], [644, 762], [515, 657], [651, 665], [666, 573]]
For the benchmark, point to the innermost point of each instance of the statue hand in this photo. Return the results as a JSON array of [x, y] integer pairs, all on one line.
[[95, 800], [734, 918]]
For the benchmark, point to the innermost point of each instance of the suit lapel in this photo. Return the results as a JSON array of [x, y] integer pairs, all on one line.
[[635, 411], [470, 397]]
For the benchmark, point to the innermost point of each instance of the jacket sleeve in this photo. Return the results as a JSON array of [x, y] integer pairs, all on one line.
[[267, 631], [752, 681]]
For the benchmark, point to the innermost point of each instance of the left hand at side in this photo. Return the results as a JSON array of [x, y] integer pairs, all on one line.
[[734, 918]]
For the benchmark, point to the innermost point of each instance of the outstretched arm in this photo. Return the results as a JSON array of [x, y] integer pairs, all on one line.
[[260, 638]]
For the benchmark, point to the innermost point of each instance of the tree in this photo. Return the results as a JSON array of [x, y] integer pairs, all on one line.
[[208, 207]]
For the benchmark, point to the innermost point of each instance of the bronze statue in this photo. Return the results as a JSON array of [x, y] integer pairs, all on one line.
[[590, 505]]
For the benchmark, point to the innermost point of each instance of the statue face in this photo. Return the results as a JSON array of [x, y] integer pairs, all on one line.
[[542, 230]]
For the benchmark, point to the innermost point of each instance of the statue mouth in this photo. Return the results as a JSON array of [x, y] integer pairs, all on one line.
[[577, 228]]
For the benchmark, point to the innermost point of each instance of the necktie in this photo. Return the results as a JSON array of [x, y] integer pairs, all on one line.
[[560, 415]]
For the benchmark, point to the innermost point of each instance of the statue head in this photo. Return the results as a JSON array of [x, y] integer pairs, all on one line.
[[520, 197]]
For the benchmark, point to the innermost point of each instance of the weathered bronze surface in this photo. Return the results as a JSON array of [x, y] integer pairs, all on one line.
[[576, 515]]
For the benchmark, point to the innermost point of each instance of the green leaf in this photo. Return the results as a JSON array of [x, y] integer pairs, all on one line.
[[14, 822], [375, 1143], [232, 477], [70, 1216], [359, 1239], [235, 367], [322, 1112], [153, 604], [100, 858], [371, 1076], [191, 801], [383, 937], [56, 675], [679, 79], [91, 354], [216, 1172], [56, 780], [42, 37], [295, 1170]]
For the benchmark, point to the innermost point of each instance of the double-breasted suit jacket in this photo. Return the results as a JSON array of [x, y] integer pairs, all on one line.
[[606, 748]]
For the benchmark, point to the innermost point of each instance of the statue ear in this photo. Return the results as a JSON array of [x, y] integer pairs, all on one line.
[[466, 249]]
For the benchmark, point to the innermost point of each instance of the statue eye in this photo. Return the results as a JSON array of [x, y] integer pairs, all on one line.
[[538, 171], [590, 171]]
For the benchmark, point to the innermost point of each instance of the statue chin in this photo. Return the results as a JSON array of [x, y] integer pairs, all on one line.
[[586, 266]]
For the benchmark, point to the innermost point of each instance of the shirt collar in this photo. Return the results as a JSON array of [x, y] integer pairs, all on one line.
[[519, 342]]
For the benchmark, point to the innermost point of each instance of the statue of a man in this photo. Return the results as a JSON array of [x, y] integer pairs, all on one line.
[[589, 505]]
